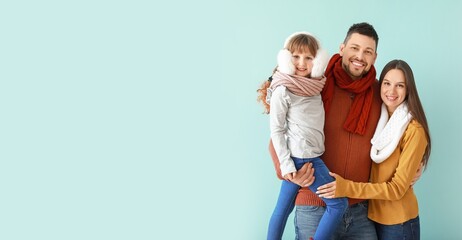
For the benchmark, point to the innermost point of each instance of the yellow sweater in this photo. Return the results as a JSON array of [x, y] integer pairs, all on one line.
[[392, 200]]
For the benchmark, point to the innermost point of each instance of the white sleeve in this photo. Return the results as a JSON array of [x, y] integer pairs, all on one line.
[[279, 107]]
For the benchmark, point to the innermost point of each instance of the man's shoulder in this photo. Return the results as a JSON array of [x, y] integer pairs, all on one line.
[[376, 87]]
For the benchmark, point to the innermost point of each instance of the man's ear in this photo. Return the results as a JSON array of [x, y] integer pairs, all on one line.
[[342, 46]]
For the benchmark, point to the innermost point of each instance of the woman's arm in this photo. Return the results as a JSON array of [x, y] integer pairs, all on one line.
[[413, 147]]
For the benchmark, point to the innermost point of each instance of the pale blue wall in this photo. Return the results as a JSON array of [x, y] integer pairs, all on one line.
[[138, 120]]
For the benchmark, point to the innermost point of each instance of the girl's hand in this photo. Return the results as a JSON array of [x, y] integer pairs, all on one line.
[[289, 176], [327, 190]]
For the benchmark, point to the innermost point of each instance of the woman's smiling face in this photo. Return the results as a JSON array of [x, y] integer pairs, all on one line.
[[393, 89]]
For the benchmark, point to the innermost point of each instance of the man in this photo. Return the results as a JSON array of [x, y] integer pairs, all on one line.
[[352, 107]]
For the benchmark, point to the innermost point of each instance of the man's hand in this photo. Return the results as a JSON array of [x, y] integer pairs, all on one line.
[[417, 175], [304, 176]]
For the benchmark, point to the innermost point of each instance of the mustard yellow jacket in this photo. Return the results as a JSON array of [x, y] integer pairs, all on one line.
[[392, 199]]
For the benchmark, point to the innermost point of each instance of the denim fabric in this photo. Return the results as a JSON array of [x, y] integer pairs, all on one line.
[[409, 230], [328, 219], [284, 207], [353, 226]]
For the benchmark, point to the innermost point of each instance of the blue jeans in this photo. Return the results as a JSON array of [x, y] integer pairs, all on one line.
[[354, 224], [286, 201], [407, 230]]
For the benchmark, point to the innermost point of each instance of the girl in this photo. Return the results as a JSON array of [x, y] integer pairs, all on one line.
[[400, 143], [293, 100]]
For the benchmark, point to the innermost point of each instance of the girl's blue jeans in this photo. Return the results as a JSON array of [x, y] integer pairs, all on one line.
[[335, 207]]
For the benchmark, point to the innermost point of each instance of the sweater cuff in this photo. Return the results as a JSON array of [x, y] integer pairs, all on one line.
[[341, 186], [287, 166]]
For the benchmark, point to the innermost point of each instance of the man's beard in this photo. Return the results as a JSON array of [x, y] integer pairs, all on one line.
[[347, 70]]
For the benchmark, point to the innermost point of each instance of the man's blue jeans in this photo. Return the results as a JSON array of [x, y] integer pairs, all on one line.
[[354, 224], [327, 223]]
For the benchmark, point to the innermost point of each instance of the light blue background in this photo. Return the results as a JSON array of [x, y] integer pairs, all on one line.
[[138, 119]]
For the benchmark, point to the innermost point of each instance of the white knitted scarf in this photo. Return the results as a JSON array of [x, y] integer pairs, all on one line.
[[389, 132]]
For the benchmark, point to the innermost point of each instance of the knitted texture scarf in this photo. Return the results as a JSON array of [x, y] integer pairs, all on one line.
[[301, 86], [362, 88], [389, 132]]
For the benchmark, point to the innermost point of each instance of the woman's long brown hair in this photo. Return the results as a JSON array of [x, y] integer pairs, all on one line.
[[412, 98]]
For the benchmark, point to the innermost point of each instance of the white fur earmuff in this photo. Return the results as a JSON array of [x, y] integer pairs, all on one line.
[[286, 66], [320, 63]]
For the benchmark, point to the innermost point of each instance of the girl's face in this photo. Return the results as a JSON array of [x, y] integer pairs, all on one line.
[[303, 62], [393, 89]]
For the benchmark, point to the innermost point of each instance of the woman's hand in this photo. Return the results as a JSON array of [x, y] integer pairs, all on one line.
[[327, 190]]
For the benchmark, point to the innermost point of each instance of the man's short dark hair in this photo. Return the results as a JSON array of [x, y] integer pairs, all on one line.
[[363, 28]]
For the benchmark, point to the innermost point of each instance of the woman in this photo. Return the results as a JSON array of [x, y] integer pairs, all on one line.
[[400, 143]]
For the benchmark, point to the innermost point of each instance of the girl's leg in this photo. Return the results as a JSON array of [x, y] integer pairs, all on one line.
[[284, 207], [335, 207]]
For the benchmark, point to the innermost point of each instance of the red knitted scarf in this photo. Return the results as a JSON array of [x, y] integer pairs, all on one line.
[[362, 88]]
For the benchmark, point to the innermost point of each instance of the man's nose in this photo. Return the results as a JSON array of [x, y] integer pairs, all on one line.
[[360, 55]]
